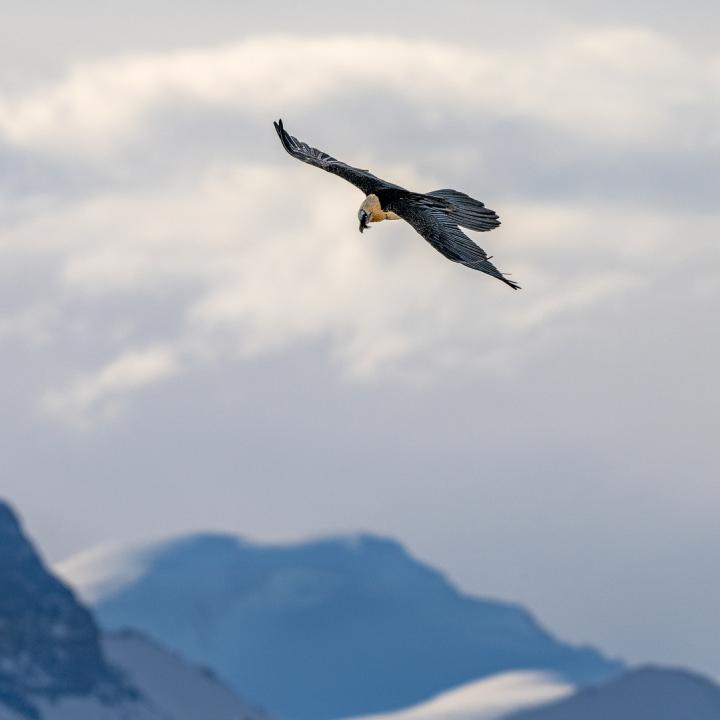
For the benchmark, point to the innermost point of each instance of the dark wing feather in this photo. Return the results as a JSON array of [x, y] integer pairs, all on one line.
[[432, 220], [362, 179], [468, 212]]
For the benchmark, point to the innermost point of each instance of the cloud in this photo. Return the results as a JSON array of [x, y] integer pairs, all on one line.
[[99, 395], [623, 88], [180, 245], [230, 285], [160, 252], [32, 325]]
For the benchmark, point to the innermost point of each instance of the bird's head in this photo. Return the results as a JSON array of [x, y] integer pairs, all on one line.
[[363, 217], [369, 211]]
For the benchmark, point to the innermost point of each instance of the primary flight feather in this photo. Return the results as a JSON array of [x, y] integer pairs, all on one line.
[[436, 215]]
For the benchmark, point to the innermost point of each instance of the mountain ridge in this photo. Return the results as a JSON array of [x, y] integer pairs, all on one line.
[[359, 607], [55, 664], [50, 645]]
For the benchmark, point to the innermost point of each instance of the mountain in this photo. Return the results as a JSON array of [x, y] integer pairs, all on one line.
[[324, 629], [488, 699], [49, 643], [649, 692], [174, 687], [56, 665]]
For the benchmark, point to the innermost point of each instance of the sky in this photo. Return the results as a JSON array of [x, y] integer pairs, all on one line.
[[194, 335]]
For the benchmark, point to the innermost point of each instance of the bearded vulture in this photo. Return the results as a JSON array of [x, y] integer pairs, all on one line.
[[435, 215]]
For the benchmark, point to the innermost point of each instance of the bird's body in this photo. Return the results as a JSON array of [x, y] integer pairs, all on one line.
[[436, 215]]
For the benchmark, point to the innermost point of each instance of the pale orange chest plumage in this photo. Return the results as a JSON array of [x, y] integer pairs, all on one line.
[[372, 207]]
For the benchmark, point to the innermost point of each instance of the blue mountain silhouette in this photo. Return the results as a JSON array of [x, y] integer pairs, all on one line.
[[331, 628]]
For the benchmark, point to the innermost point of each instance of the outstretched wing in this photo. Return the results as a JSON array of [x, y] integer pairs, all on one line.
[[362, 179], [430, 218]]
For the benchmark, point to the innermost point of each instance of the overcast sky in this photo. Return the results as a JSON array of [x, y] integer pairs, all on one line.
[[193, 334]]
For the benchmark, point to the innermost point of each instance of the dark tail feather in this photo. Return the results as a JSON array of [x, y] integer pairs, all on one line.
[[467, 212], [511, 283]]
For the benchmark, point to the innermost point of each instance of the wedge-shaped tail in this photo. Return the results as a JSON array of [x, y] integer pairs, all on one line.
[[468, 212]]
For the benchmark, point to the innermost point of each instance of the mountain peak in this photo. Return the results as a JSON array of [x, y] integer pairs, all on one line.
[[49, 644], [276, 620], [9, 523]]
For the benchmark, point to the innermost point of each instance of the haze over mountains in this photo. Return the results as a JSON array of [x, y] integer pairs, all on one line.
[[331, 606], [279, 621], [56, 665]]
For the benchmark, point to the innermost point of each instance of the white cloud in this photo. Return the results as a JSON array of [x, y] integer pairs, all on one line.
[[148, 212], [248, 263], [228, 258], [623, 87], [99, 395]]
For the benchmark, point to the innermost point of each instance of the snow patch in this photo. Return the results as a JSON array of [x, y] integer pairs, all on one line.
[[487, 699], [104, 570], [173, 687]]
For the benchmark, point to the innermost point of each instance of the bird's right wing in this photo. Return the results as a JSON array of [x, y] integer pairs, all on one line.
[[432, 220], [362, 179]]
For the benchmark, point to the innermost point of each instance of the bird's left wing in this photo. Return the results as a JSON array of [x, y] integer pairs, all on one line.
[[362, 179], [430, 218]]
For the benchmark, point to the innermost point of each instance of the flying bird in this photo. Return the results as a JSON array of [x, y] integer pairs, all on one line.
[[437, 215]]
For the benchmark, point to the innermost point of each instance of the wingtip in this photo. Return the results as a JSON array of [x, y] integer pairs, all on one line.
[[282, 133]]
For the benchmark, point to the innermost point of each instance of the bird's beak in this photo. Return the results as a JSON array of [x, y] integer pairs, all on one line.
[[364, 222]]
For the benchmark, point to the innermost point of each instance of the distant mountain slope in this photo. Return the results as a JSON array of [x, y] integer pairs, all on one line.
[[168, 689], [175, 688], [55, 665], [323, 629], [487, 699], [645, 694]]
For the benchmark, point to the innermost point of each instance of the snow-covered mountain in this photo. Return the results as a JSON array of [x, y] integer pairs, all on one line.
[[49, 643], [488, 699], [56, 665], [320, 630], [174, 687], [648, 693], [343, 617]]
